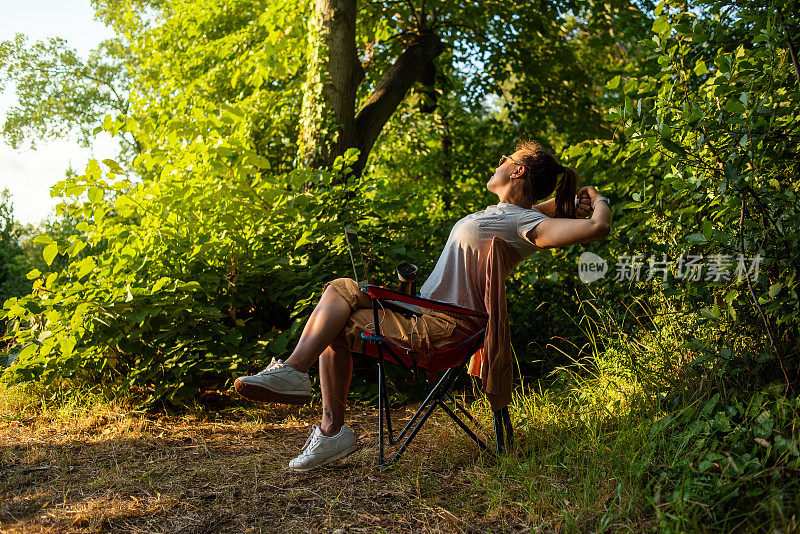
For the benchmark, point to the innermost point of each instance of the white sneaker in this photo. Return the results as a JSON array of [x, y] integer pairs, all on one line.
[[277, 383], [321, 449]]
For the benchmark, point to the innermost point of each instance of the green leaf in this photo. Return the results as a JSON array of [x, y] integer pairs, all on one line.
[[27, 352], [93, 171], [672, 146], [661, 25], [704, 466], [730, 171], [774, 289], [51, 279], [614, 82], [160, 284], [631, 86], [351, 156], [734, 105], [700, 67], [35, 273], [660, 425], [709, 406], [87, 265], [113, 166], [696, 239], [95, 194], [633, 205], [707, 228], [49, 253], [305, 238]]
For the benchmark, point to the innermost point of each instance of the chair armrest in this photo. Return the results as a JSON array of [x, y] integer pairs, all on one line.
[[384, 293]]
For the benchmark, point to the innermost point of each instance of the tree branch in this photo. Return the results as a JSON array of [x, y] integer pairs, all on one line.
[[755, 301], [414, 14], [790, 46], [391, 90]]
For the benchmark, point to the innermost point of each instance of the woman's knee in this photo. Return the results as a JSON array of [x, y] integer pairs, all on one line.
[[348, 283], [348, 289], [343, 286]]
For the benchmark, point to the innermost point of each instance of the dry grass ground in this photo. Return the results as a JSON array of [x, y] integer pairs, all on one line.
[[98, 467]]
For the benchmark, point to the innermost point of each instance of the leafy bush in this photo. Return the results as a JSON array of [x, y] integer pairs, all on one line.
[[184, 282], [707, 153]]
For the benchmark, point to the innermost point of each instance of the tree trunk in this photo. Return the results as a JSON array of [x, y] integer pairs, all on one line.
[[329, 124], [329, 94], [447, 173]]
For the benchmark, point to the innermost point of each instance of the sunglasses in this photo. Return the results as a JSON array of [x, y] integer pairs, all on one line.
[[503, 159]]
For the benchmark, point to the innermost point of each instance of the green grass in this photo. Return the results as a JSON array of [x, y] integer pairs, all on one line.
[[637, 435]]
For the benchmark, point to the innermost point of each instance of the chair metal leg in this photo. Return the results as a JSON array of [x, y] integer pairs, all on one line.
[[499, 439], [509, 427], [461, 408], [463, 426], [410, 437], [503, 430], [444, 383], [387, 409], [381, 385], [435, 397]]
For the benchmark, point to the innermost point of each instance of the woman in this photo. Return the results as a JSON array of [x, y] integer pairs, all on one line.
[[334, 329]]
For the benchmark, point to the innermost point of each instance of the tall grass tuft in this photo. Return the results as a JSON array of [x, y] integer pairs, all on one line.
[[638, 432]]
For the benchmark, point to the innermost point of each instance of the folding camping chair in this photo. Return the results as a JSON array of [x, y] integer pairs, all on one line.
[[451, 359]]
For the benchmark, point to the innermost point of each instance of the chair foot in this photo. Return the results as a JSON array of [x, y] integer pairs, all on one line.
[[503, 430]]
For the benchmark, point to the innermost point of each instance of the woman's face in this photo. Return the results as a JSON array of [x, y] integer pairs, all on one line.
[[505, 173]]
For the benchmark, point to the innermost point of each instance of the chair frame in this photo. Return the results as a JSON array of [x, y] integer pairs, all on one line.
[[387, 350]]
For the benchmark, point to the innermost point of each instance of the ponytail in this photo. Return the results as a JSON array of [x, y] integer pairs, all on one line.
[[565, 194], [542, 178]]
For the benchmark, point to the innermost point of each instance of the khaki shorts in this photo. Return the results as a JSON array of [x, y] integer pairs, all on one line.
[[424, 334]]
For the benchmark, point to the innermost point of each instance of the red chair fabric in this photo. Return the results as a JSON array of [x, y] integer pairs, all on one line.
[[439, 360], [450, 359]]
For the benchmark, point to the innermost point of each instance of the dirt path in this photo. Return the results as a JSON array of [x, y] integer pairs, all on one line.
[[227, 472]]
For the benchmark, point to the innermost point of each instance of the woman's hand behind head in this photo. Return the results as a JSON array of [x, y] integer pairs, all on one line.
[[583, 206], [583, 203], [590, 191]]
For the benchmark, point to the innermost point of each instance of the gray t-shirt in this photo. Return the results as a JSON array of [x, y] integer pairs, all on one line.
[[459, 276]]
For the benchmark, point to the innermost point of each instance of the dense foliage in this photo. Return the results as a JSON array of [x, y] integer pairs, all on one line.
[[11, 265], [709, 118], [198, 255]]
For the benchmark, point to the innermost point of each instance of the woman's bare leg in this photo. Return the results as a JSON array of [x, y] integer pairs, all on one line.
[[335, 372], [335, 361], [325, 323]]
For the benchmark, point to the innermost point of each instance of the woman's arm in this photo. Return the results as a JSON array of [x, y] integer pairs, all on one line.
[[561, 232], [548, 207]]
